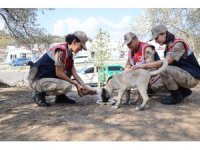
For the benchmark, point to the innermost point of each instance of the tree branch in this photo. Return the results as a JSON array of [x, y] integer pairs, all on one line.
[[7, 24]]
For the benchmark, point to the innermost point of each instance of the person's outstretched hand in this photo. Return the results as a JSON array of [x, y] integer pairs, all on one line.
[[79, 90], [89, 90]]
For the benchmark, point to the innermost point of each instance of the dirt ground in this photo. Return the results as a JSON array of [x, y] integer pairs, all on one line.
[[22, 120]]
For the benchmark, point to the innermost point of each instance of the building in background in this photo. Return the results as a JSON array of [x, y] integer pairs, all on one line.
[[13, 53]]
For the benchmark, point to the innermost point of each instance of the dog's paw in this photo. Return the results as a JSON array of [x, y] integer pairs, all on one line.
[[112, 102], [100, 102], [115, 107], [132, 103], [126, 103], [138, 109]]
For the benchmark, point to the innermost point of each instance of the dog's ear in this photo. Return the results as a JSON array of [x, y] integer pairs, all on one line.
[[103, 90], [104, 95]]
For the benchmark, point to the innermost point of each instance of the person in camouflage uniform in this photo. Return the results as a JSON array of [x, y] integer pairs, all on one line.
[[139, 53], [51, 74], [183, 71]]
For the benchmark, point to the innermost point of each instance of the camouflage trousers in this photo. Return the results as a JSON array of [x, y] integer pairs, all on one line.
[[173, 76], [51, 86], [157, 85]]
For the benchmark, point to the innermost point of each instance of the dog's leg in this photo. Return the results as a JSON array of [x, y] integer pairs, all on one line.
[[137, 97], [119, 97], [145, 98], [128, 94], [114, 97]]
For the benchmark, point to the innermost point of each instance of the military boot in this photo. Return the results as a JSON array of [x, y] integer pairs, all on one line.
[[39, 98], [175, 98], [64, 99], [185, 91]]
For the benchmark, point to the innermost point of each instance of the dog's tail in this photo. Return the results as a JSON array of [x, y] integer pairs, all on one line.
[[164, 65]]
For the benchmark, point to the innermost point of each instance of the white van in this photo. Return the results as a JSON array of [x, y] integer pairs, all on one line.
[[89, 75], [81, 59]]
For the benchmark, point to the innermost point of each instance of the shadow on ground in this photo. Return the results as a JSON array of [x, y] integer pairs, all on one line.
[[22, 120]]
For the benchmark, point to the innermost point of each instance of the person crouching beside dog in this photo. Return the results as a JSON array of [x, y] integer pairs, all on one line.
[[183, 71], [139, 53], [51, 75]]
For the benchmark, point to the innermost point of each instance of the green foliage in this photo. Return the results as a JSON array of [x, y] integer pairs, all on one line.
[[100, 45], [183, 22], [22, 25], [6, 39]]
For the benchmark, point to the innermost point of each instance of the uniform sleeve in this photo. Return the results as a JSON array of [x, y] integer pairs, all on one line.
[[177, 51], [59, 58], [149, 54]]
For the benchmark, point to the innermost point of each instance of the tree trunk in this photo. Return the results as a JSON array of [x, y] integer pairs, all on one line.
[[99, 83]]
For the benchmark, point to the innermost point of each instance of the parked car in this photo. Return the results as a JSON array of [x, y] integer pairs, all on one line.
[[89, 74], [81, 59], [19, 62], [108, 71]]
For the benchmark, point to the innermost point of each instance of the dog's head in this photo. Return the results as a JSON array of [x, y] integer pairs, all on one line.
[[105, 95]]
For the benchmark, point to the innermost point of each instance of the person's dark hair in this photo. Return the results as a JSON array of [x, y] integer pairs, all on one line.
[[134, 38], [70, 37], [169, 37]]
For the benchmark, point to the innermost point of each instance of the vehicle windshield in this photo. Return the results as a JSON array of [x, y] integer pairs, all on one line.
[[76, 57], [114, 68], [80, 69]]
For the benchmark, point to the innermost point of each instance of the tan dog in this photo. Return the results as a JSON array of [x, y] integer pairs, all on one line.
[[131, 79]]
